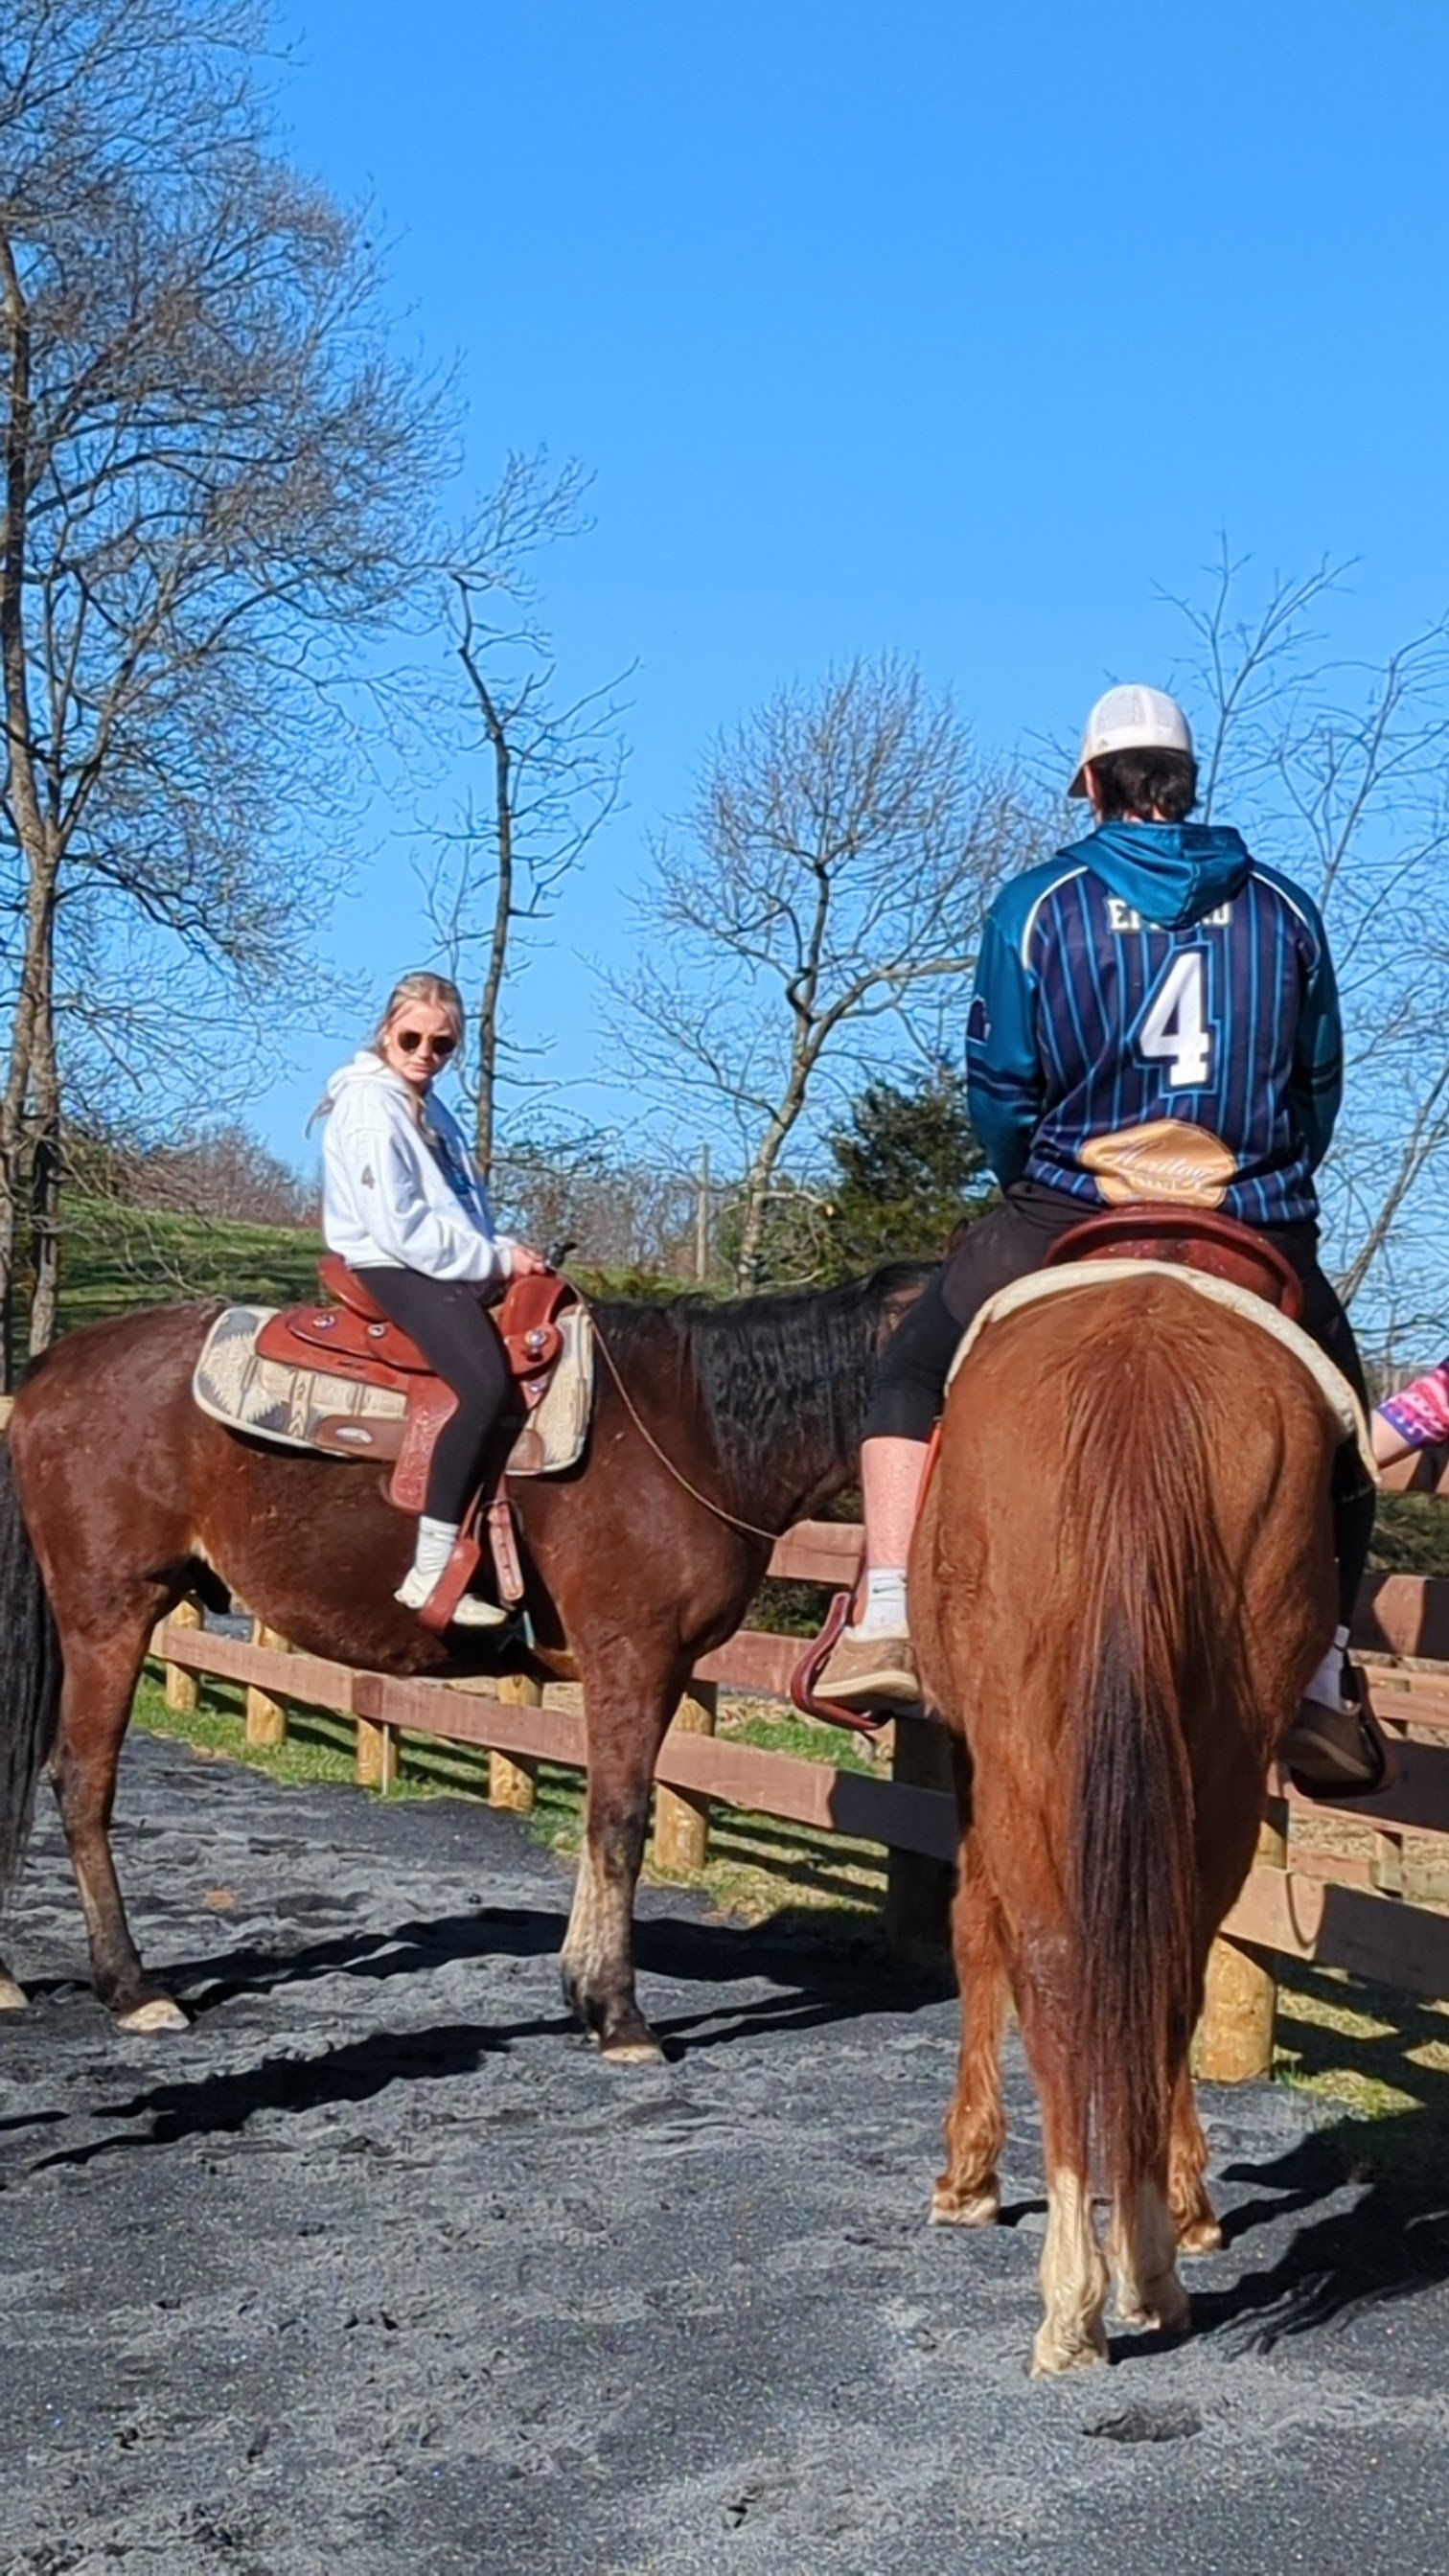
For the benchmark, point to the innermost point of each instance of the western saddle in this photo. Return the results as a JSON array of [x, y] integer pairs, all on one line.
[[351, 1337]]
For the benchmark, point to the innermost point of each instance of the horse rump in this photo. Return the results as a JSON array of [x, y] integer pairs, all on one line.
[[30, 1673]]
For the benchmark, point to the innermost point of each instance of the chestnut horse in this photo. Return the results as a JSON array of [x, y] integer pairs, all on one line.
[[1122, 1581], [118, 1496]]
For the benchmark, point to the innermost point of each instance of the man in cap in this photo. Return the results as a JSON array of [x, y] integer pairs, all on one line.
[[1155, 1019]]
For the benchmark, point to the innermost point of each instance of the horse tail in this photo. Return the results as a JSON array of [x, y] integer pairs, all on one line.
[[1141, 1500], [30, 1673]]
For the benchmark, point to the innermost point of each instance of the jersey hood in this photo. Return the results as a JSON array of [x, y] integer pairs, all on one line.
[[1172, 873]]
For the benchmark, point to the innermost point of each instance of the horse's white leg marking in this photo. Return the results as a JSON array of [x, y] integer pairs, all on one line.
[[1073, 2282], [597, 1937], [1144, 2258]]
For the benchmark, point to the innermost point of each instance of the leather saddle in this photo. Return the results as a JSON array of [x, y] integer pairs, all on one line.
[[351, 1337], [1193, 1239]]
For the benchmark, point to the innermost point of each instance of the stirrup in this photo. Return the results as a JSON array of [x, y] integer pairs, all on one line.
[[803, 1678]]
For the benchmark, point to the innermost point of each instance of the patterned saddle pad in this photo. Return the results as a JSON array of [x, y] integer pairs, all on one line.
[[274, 1400]]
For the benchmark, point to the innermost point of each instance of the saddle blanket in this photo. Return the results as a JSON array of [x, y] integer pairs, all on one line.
[[275, 1401], [1334, 1387]]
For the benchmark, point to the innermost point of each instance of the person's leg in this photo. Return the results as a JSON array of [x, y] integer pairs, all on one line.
[[456, 1336], [873, 1661], [1335, 1746]]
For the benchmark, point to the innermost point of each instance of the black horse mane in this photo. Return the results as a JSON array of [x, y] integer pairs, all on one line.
[[767, 1369]]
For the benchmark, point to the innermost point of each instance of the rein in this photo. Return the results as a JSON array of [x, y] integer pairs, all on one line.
[[751, 1529]]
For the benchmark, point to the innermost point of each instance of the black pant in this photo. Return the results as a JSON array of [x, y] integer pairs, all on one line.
[[447, 1320], [1013, 1240]]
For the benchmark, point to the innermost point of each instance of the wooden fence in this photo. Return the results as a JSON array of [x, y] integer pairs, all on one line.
[[1301, 1901]]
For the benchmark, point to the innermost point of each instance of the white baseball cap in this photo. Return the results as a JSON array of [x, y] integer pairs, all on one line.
[[1133, 718]]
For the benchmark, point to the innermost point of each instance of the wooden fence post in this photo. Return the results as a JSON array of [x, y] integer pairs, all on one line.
[[266, 1717], [376, 1764], [182, 1688], [513, 1784], [681, 1817], [1235, 2034], [919, 1891]]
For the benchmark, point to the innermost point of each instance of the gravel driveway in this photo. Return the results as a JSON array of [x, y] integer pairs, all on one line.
[[380, 2270]]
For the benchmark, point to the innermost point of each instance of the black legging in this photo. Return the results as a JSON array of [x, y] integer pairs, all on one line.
[[1013, 1240], [452, 1329]]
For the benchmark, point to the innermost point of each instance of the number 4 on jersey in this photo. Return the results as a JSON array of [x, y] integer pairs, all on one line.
[[1175, 1031]]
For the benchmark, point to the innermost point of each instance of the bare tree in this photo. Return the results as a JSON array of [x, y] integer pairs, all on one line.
[[1339, 773], [826, 886], [216, 487], [554, 763]]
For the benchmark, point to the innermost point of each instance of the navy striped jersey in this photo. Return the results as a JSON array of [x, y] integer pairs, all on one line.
[[1153, 1005]]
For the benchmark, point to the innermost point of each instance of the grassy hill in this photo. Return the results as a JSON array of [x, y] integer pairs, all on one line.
[[115, 1258]]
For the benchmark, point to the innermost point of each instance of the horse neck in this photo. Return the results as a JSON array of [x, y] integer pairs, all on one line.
[[784, 1382]]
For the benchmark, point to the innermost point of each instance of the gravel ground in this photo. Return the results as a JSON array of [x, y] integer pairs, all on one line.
[[379, 2270]]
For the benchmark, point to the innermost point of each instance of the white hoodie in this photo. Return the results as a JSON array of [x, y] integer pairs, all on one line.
[[397, 1195]]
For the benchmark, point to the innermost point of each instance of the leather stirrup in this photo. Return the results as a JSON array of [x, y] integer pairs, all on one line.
[[861, 1721]]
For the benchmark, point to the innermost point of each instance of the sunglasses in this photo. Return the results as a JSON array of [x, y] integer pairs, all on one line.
[[413, 1041]]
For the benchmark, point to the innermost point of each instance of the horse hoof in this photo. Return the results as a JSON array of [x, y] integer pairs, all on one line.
[[1201, 2236], [158, 2012], [1051, 2360], [964, 2209], [1166, 2310], [13, 1998], [634, 2051]]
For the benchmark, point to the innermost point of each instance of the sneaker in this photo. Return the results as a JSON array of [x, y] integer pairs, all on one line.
[[870, 1672], [472, 1611], [1337, 1752]]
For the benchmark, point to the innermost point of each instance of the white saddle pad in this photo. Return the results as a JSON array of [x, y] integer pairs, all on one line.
[[275, 1400], [1339, 1396]]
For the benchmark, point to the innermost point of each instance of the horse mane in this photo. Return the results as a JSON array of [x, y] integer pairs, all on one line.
[[749, 1361]]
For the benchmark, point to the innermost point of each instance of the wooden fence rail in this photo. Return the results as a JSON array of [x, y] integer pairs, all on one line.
[[1301, 1906]]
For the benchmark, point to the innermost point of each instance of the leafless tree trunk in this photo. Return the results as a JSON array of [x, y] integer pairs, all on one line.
[[831, 875], [215, 484], [1339, 774], [554, 766]]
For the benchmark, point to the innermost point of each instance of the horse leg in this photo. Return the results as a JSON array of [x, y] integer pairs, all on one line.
[[1192, 2213], [1073, 2274], [1144, 2256], [100, 1682], [629, 1704], [968, 2193]]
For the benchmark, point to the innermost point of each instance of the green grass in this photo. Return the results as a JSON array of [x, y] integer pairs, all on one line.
[[114, 1259]]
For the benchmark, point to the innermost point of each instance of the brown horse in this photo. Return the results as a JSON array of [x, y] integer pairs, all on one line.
[[118, 1496], [1123, 1578]]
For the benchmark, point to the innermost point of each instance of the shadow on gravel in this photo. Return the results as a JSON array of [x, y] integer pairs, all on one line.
[[1388, 2235], [815, 1988], [1389, 2242], [831, 1984]]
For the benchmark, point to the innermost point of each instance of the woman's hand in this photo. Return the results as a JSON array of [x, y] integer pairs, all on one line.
[[525, 1263]]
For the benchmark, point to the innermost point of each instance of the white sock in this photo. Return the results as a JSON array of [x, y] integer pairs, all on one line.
[[884, 1614], [434, 1546], [1326, 1686]]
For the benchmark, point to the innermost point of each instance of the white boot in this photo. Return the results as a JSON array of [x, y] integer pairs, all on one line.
[[430, 1556]]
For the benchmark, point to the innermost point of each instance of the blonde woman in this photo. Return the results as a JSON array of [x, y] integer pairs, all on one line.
[[405, 1206]]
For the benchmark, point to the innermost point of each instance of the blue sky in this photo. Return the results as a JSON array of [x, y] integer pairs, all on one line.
[[953, 329]]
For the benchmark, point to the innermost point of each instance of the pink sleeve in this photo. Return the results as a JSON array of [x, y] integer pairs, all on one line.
[[1420, 1413]]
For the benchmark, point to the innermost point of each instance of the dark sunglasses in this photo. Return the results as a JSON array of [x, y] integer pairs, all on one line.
[[412, 1041]]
